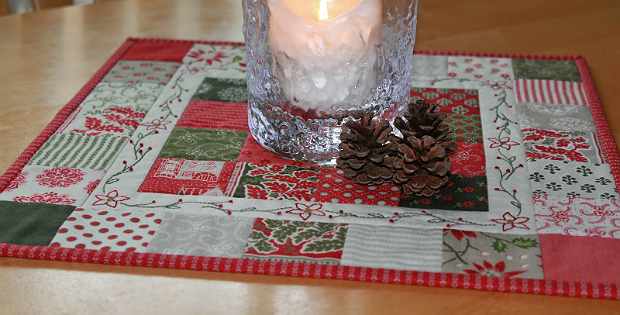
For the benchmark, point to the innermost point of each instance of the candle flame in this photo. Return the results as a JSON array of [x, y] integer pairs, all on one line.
[[323, 14]]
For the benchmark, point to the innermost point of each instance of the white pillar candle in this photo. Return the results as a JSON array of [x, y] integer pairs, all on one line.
[[325, 50]]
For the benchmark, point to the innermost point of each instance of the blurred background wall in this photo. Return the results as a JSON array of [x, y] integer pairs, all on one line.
[[25, 6]]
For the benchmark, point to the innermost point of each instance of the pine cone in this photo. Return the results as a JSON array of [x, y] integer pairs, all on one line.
[[366, 155], [423, 120], [423, 164]]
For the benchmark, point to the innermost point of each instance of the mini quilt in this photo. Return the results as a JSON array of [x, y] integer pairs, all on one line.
[[152, 164]]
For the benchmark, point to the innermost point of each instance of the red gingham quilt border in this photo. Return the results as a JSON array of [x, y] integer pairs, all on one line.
[[307, 270]]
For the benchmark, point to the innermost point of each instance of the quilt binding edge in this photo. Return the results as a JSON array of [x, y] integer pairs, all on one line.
[[311, 270]]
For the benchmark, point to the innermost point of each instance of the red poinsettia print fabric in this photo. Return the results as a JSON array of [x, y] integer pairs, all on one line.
[[557, 145], [52, 185], [277, 182]]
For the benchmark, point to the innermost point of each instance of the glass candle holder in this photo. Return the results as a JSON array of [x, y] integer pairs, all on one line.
[[314, 64]]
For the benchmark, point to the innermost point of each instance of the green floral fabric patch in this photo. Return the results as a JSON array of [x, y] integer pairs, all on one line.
[[462, 193], [277, 182], [222, 90], [296, 241], [204, 144], [561, 70]]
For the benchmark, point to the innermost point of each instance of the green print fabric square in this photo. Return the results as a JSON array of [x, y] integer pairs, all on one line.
[[572, 179], [277, 182], [296, 241], [465, 128], [222, 90], [561, 70], [31, 224], [204, 144], [462, 193]]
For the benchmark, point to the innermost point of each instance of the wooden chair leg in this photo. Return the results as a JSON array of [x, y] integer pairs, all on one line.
[[4, 7]]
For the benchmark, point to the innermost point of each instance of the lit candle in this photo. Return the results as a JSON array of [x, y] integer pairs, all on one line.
[[325, 50]]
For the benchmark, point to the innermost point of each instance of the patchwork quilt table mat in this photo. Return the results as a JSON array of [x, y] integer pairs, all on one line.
[[151, 164]]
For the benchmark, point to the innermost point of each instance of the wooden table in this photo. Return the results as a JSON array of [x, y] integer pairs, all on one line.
[[46, 57]]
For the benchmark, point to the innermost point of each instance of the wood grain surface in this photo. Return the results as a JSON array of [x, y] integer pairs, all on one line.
[[45, 58]]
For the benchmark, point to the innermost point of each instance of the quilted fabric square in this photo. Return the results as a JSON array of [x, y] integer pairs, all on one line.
[[561, 70], [222, 90], [173, 52], [480, 68], [465, 128], [450, 101], [203, 144], [558, 145], [462, 193], [550, 92], [142, 72], [253, 152], [573, 179], [113, 108], [31, 224], [296, 241], [577, 216], [277, 182], [429, 66], [468, 159], [183, 177], [592, 259], [116, 121], [489, 254], [107, 230], [556, 116], [79, 151], [54, 185], [333, 187], [392, 247], [201, 235], [216, 57], [215, 115]]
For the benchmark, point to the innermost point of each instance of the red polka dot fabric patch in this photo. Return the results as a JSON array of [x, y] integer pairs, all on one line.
[[333, 187], [107, 229]]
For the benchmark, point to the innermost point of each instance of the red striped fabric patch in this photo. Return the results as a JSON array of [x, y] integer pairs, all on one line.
[[215, 115], [550, 92]]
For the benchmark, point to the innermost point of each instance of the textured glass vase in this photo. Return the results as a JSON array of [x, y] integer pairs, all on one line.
[[307, 76]]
